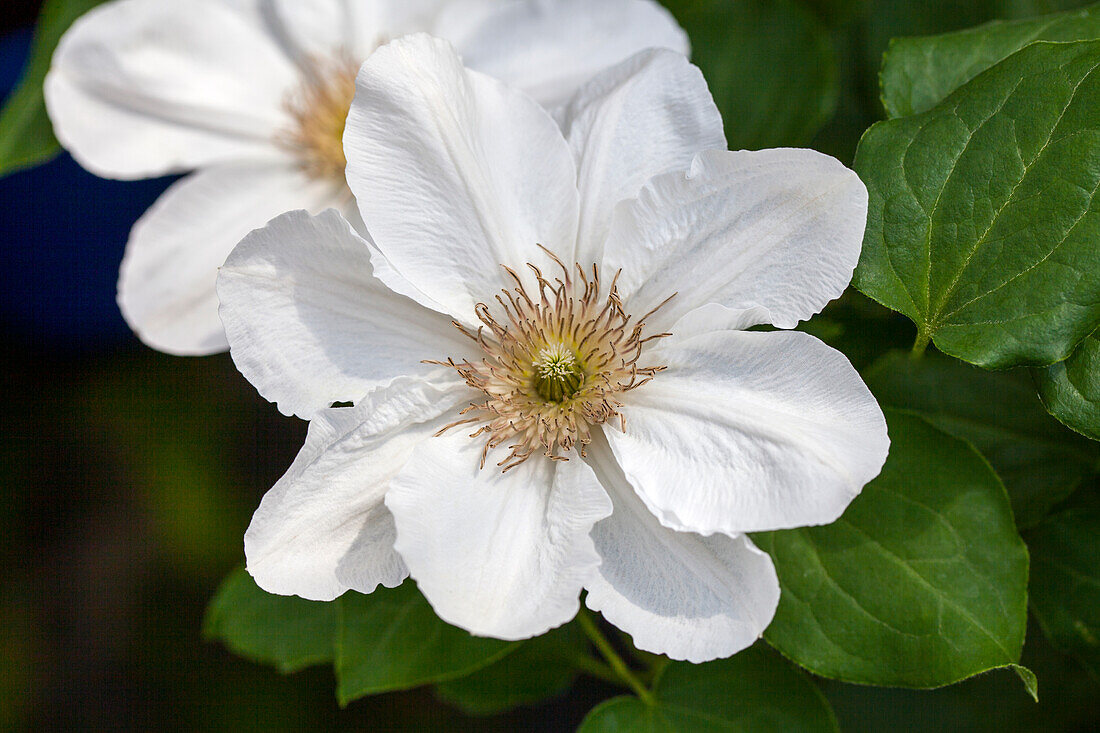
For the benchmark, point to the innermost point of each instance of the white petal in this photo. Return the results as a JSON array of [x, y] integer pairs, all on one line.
[[456, 20], [715, 317], [750, 431], [166, 284], [778, 229], [455, 174], [308, 323], [649, 115], [144, 87], [324, 27], [676, 593], [502, 555], [383, 20], [323, 528], [549, 49], [312, 28]]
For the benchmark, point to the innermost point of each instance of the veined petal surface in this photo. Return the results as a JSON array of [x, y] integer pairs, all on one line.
[[455, 174], [646, 116], [777, 229], [323, 529], [676, 593], [166, 287], [750, 431], [498, 554], [548, 49], [308, 323], [141, 88], [322, 27]]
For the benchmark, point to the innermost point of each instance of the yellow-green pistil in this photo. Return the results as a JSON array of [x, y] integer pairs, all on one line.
[[558, 377]]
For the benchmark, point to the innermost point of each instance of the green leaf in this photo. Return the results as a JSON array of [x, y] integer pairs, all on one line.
[[26, 135], [540, 669], [286, 632], [1031, 682], [983, 215], [863, 32], [918, 73], [770, 65], [752, 691], [1071, 389], [1065, 582], [1040, 462], [922, 582], [987, 703], [388, 640], [392, 640], [890, 19]]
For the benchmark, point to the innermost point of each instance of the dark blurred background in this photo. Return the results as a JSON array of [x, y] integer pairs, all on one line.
[[129, 478]]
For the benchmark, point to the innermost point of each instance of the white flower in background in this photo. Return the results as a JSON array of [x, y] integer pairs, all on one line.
[[595, 416], [252, 95]]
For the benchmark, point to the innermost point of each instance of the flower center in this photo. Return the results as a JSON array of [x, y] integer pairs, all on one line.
[[557, 375], [319, 110], [555, 362]]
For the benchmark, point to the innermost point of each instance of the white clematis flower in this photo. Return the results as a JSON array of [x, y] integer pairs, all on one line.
[[252, 95], [595, 417]]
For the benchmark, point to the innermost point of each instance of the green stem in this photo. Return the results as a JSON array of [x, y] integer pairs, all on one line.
[[595, 668], [920, 345], [588, 625]]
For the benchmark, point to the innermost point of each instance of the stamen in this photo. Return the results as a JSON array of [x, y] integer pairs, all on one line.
[[554, 364], [319, 109]]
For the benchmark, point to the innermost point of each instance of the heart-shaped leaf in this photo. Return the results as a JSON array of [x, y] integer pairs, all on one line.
[[983, 211]]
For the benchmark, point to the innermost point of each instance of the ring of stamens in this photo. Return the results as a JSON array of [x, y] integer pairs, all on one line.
[[319, 111], [556, 360]]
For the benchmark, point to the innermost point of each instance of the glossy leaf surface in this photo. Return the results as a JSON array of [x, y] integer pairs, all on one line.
[[754, 690], [921, 583], [984, 216]]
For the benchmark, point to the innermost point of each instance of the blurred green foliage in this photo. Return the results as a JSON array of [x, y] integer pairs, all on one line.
[[1065, 581], [770, 65], [26, 136], [1040, 461]]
